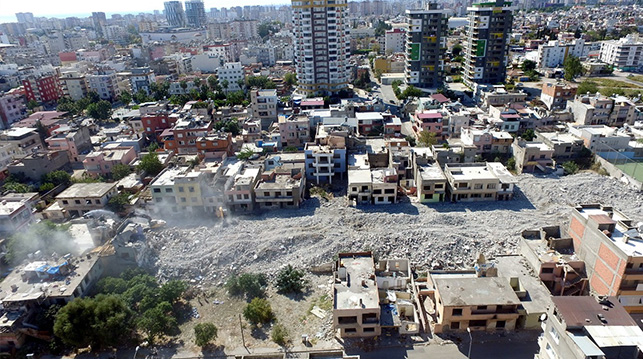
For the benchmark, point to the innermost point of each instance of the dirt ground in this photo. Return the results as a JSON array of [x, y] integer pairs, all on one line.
[[293, 311]]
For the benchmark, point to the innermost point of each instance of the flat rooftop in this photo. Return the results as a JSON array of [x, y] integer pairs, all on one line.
[[359, 176], [459, 292], [516, 266], [44, 278], [464, 173], [357, 286], [560, 138], [634, 245], [81, 190], [281, 181], [429, 172], [167, 177], [582, 311]]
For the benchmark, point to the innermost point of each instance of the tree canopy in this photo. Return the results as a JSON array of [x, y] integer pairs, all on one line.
[[573, 67], [99, 322], [151, 164]]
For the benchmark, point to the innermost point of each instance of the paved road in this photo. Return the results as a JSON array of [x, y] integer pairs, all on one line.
[[505, 349]]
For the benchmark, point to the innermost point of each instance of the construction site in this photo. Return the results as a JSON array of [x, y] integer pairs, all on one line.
[[439, 236]]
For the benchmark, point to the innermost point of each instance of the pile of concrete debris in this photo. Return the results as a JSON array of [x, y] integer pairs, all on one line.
[[445, 235]]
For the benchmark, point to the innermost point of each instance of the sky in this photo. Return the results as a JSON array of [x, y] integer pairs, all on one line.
[[79, 8]]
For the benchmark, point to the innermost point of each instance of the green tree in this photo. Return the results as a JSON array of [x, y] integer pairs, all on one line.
[[261, 82], [46, 187], [573, 67], [120, 171], [99, 322], [230, 125], [528, 65], [587, 87], [412, 91], [151, 164], [157, 321], [290, 280], [65, 104], [57, 178], [32, 104], [511, 164], [290, 79], [204, 333], [245, 154], [528, 135], [258, 311], [17, 187], [101, 110], [410, 140], [279, 334], [456, 50], [172, 291], [570, 167], [427, 139], [119, 202], [290, 149], [249, 284]]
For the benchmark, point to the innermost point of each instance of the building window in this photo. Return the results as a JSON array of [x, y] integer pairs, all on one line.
[[183, 199], [554, 334], [456, 312], [65, 201], [181, 189], [191, 189], [547, 270]]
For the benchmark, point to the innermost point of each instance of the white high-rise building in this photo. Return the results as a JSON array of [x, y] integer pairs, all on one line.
[[624, 54], [322, 45]]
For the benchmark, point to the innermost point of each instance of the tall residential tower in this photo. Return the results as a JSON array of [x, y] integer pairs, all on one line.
[[195, 13], [322, 45], [174, 13], [486, 48], [425, 45]]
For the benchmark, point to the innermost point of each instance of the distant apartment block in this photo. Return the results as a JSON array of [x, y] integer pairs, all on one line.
[[625, 54], [531, 155], [73, 85], [76, 141], [281, 187], [294, 130], [395, 40], [553, 53], [101, 163], [264, 106], [555, 96], [599, 138], [42, 89], [479, 182], [12, 109], [566, 146], [81, 198], [105, 84], [240, 194], [17, 212], [231, 74], [324, 162]]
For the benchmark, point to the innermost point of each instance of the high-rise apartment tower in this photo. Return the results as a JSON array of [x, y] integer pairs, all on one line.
[[425, 46], [322, 45], [485, 51]]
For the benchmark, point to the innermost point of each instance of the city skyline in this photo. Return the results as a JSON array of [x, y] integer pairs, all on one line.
[[41, 8]]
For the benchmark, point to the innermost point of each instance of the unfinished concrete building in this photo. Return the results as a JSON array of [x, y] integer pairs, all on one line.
[[371, 298], [612, 247], [551, 255], [356, 310], [430, 181], [479, 182], [396, 295], [467, 301], [281, 187]]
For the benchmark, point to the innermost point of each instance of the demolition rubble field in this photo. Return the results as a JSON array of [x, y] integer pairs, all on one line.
[[432, 236]]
